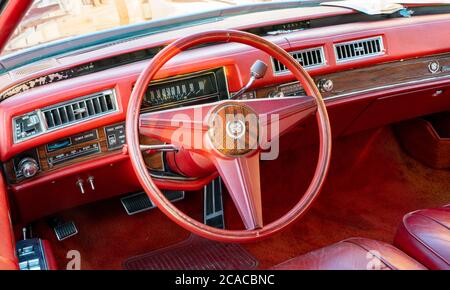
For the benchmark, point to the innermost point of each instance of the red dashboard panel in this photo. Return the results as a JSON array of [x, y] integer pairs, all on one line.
[[58, 191]]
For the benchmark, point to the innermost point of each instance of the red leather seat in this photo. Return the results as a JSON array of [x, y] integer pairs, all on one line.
[[425, 236], [353, 254]]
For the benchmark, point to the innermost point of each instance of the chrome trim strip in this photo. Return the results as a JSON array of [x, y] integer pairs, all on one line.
[[386, 87], [177, 178], [162, 147], [344, 95], [44, 256], [225, 73]]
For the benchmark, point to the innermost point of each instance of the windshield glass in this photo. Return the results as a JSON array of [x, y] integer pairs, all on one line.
[[373, 7], [50, 20]]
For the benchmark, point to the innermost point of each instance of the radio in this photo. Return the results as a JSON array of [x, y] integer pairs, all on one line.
[[72, 141], [76, 150], [73, 154]]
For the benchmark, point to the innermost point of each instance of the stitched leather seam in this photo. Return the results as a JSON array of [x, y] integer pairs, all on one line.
[[420, 241], [433, 219]]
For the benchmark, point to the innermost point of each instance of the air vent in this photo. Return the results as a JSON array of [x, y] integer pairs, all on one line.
[[357, 49], [308, 58], [80, 109]]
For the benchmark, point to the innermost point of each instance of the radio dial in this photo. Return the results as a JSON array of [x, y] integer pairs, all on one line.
[[29, 167]]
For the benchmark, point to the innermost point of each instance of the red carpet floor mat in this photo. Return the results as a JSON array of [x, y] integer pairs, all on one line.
[[195, 253]]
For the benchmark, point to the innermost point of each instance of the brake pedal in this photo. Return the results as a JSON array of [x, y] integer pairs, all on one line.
[[213, 204], [140, 202], [65, 230], [136, 203]]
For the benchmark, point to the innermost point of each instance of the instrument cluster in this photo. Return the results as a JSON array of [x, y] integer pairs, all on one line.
[[202, 87]]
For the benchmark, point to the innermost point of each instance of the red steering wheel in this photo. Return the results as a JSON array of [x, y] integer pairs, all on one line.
[[237, 165]]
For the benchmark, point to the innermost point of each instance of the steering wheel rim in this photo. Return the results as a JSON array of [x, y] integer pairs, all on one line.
[[138, 164]]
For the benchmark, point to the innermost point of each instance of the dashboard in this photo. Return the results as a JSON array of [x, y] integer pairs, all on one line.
[[197, 88], [69, 134]]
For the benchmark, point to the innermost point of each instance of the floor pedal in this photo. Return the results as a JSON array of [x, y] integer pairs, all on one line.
[[136, 203], [140, 202], [65, 230], [213, 204]]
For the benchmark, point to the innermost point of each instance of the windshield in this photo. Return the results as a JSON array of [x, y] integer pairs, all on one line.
[[50, 20], [54, 20]]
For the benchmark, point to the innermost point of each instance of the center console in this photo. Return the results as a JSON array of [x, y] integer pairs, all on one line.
[[35, 254]]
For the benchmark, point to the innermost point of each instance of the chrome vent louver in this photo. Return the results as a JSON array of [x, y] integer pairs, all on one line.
[[362, 48], [80, 109], [308, 58]]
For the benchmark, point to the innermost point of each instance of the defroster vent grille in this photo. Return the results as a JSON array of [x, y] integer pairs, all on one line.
[[80, 109]]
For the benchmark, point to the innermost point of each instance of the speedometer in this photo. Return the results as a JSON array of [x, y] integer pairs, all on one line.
[[190, 89]]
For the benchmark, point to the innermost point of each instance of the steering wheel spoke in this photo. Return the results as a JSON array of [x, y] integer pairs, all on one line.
[[242, 179], [181, 127], [278, 115]]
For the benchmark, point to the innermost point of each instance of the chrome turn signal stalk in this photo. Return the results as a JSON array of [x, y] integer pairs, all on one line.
[[257, 71], [159, 148]]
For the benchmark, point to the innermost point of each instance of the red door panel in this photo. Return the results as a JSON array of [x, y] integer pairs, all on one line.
[[8, 259]]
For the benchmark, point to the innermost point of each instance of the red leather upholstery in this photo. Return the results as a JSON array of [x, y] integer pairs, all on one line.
[[353, 254], [8, 259], [425, 235]]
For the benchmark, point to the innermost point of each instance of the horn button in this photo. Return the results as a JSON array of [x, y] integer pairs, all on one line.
[[233, 130]]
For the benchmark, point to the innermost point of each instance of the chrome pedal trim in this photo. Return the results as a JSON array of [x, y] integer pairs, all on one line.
[[140, 202], [65, 230], [174, 195], [136, 203]]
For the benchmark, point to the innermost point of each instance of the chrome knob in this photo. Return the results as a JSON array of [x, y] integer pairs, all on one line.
[[325, 85], [434, 67], [80, 185], [91, 182], [29, 167]]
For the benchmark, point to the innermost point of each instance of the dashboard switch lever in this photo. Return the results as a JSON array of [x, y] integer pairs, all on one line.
[[91, 182], [257, 71], [80, 186]]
